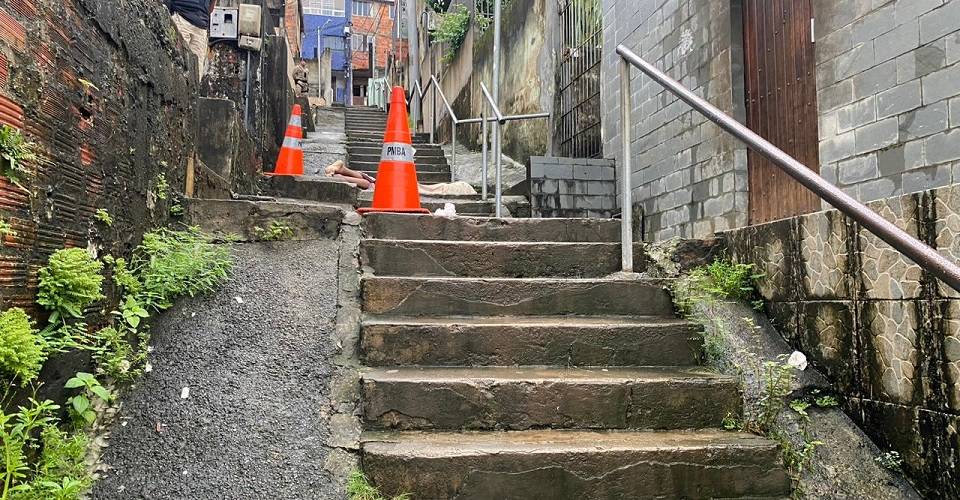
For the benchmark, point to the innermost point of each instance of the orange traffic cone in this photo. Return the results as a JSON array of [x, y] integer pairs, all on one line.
[[290, 161], [396, 188]]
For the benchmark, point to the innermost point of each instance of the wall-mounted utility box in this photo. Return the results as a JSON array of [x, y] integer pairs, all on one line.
[[251, 17], [224, 23], [251, 43]]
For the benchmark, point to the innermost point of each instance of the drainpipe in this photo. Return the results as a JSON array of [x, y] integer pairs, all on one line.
[[348, 49], [413, 44]]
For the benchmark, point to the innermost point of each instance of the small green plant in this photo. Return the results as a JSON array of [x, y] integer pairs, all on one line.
[[132, 312], [19, 440], [452, 29], [61, 473], [114, 355], [719, 280], [776, 379], [275, 232], [890, 460], [796, 458], [22, 349], [733, 423], [160, 186], [170, 264], [103, 216], [15, 150], [6, 229], [69, 283], [81, 405], [176, 210], [826, 402], [359, 488], [800, 406]]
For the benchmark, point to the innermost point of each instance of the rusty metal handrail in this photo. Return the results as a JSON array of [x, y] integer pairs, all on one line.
[[917, 251]]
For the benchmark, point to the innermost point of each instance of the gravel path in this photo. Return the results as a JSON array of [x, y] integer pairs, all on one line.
[[255, 422]]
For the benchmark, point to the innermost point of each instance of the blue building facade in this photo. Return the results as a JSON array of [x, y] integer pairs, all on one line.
[[325, 24]]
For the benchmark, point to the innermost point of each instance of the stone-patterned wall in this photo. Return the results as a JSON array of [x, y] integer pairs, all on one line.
[[886, 333], [688, 176], [887, 84], [572, 187]]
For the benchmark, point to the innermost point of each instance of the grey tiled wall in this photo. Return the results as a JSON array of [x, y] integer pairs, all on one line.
[[572, 187]]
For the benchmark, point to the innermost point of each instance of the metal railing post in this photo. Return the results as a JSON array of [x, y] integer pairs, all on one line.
[[626, 197], [453, 161], [497, 130], [433, 126], [483, 140]]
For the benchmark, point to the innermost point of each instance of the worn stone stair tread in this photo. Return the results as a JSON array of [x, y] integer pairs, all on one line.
[[574, 464], [445, 444], [548, 374], [465, 228], [559, 320]]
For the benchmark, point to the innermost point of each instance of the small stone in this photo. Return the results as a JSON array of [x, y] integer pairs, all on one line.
[[185, 393], [238, 299], [798, 360]]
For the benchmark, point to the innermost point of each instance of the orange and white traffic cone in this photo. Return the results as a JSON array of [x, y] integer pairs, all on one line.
[[396, 189], [290, 161]]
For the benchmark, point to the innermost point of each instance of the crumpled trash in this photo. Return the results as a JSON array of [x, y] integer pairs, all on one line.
[[797, 360], [448, 210]]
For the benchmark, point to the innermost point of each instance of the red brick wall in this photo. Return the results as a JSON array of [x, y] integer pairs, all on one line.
[[384, 35], [103, 89], [293, 22]]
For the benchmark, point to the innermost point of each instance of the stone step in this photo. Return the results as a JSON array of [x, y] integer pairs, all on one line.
[[520, 398], [404, 296], [377, 136], [574, 465], [539, 340], [427, 227], [474, 208], [421, 167], [250, 220], [422, 177], [418, 158], [312, 188], [494, 259]]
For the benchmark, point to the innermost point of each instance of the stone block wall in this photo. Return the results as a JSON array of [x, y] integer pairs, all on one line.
[[888, 83], [884, 332], [688, 178], [572, 187]]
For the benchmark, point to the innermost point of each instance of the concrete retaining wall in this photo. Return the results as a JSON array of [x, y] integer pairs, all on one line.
[[884, 332], [572, 187]]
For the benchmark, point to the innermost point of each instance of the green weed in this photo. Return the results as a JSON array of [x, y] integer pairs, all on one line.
[[22, 348], [69, 283], [359, 488], [176, 210], [81, 405], [827, 402], [452, 30], [103, 216], [15, 151], [19, 438], [160, 186], [275, 232], [720, 280], [6, 229], [890, 460]]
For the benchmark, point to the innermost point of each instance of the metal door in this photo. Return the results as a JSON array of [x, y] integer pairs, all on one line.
[[781, 93], [578, 79]]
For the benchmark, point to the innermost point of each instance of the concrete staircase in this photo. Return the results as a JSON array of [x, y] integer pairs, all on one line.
[[503, 362], [365, 128]]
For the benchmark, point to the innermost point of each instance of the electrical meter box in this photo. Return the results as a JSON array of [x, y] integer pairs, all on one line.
[[251, 43], [250, 19], [224, 23]]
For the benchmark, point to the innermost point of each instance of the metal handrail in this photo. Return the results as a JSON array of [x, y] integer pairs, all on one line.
[[917, 251]]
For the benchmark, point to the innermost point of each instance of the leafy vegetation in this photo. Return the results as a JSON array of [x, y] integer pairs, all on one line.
[[81, 405], [160, 186], [103, 216], [69, 283], [890, 460], [176, 210], [15, 151], [22, 349], [720, 280], [6, 229], [359, 488], [171, 264], [452, 29], [276, 231]]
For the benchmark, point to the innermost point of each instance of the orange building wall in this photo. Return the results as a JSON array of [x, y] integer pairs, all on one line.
[[384, 36]]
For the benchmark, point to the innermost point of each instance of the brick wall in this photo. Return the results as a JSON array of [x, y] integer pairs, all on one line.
[[888, 80], [885, 333], [688, 178], [108, 92], [379, 26], [572, 187]]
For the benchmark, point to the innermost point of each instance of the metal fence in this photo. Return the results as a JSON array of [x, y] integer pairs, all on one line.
[[578, 79]]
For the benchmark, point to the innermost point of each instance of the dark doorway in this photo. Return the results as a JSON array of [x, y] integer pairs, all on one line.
[[781, 95]]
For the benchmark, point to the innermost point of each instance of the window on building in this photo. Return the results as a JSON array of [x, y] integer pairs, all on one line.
[[359, 43], [333, 42], [362, 8], [333, 8]]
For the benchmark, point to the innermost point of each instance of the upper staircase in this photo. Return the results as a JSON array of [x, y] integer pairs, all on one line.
[[503, 361]]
